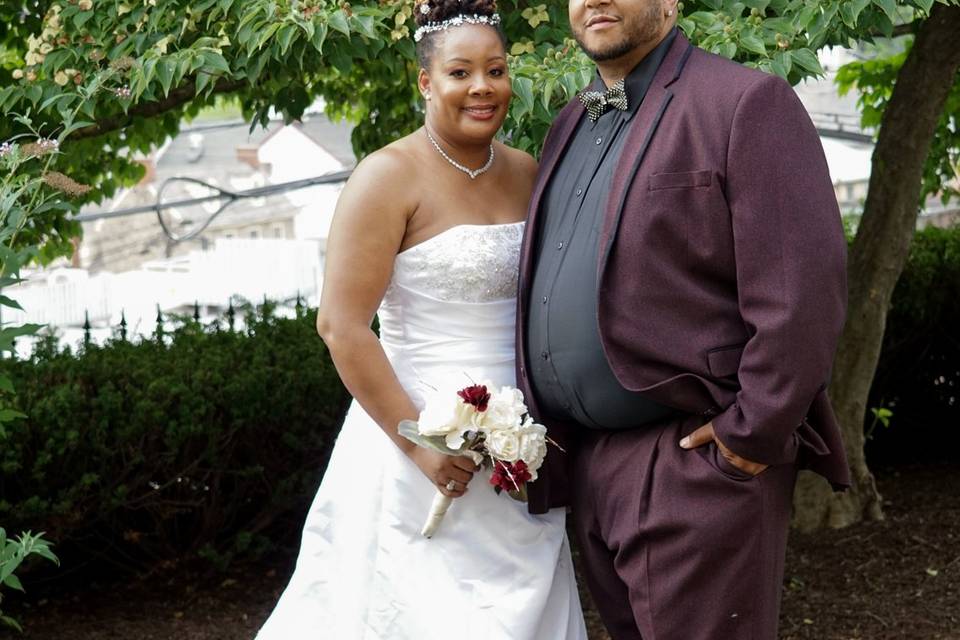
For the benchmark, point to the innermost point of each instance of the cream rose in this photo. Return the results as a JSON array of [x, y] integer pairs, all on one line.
[[448, 417], [533, 445], [505, 410], [504, 444]]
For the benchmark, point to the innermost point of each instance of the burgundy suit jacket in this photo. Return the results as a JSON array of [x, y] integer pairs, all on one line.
[[722, 268]]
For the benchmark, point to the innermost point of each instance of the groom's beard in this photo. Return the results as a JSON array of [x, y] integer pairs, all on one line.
[[639, 29]]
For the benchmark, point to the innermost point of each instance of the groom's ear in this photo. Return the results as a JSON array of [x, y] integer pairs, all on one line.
[[423, 83]]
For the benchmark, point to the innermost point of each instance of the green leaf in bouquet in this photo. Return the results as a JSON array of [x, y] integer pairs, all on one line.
[[409, 430], [521, 495]]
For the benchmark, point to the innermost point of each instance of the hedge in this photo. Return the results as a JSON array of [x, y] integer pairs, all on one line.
[[918, 376], [199, 441]]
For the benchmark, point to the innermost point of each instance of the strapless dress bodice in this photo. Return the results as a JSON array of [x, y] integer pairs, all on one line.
[[450, 307]]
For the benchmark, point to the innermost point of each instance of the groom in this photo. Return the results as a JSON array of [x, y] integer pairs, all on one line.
[[682, 290]]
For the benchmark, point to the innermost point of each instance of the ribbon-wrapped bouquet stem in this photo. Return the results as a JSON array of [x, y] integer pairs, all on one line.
[[492, 428]]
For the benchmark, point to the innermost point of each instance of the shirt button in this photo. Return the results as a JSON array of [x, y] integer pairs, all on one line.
[[579, 192], [544, 301], [599, 140], [559, 245], [545, 355]]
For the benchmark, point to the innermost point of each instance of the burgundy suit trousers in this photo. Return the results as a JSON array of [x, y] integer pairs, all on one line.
[[679, 544]]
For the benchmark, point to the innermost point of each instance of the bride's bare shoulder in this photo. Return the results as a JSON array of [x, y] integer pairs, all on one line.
[[392, 165], [386, 177]]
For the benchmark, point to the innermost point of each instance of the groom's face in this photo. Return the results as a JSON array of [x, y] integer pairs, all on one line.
[[610, 29]]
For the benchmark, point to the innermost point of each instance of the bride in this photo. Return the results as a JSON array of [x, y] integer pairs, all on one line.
[[427, 235]]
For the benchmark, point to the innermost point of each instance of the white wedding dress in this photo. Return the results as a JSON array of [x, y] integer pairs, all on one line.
[[492, 571]]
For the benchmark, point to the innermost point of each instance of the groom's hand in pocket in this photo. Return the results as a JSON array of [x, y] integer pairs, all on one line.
[[705, 434]]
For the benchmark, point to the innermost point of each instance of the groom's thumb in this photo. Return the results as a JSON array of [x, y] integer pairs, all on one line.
[[698, 438]]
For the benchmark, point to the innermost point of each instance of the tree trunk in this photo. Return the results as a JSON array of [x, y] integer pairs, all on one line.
[[878, 255]]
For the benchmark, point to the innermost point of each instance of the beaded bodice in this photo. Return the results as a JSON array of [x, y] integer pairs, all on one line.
[[466, 263]]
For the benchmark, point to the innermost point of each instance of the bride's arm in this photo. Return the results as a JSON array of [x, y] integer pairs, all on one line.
[[367, 230]]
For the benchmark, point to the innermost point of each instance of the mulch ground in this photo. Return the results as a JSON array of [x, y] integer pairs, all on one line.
[[893, 580]]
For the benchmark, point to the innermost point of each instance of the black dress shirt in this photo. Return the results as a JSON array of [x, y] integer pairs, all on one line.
[[568, 371]]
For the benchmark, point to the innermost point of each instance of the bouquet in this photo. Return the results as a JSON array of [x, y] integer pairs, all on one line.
[[494, 429]]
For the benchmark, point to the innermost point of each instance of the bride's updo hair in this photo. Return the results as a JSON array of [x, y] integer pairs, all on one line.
[[442, 10]]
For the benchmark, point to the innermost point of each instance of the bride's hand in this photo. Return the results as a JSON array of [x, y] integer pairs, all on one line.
[[441, 469]]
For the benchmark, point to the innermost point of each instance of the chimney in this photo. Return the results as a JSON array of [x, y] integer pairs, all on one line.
[[75, 256], [150, 170], [249, 155]]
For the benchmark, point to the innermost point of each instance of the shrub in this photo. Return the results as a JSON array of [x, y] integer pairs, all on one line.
[[196, 442], [918, 376]]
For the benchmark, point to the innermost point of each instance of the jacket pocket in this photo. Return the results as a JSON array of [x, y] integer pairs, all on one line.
[[681, 180], [724, 361]]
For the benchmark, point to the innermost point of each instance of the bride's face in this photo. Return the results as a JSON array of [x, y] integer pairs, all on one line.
[[467, 83]]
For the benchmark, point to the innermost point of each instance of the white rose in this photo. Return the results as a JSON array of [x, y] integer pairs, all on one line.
[[17, 74], [504, 444], [533, 446], [448, 417], [61, 78], [505, 410]]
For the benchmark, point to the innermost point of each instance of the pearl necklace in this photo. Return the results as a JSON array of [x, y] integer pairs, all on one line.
[[470, 172]]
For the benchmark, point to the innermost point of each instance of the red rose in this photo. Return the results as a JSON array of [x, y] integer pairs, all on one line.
[[509, 476], [477, 395]]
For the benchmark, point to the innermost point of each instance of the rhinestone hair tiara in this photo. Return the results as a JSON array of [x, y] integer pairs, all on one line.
[[455, 21]]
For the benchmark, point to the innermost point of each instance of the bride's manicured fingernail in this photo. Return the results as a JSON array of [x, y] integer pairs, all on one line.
[[685, 443]]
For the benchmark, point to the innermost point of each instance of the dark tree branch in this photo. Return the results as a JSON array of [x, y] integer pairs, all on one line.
[[177, 97]]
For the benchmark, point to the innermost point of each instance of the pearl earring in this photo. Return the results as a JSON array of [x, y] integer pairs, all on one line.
[[669, 13]]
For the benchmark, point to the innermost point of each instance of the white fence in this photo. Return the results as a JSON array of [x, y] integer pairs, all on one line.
[[251, 268]]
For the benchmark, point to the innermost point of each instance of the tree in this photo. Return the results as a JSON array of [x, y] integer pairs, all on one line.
[[914, 97], [171, 58]]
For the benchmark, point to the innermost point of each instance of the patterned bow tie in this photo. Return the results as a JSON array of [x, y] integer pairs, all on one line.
[[597, 102]]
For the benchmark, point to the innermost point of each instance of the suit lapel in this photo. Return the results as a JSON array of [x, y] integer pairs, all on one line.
[[641, 134], [556, 145]]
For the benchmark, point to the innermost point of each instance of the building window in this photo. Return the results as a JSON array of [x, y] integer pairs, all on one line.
[[254, 234], [278, 232]]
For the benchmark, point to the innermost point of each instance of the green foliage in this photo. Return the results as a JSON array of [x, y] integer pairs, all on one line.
[[171, 58], [918, 376], [874, 81], [881, 417], [12, 554], [197, 442], [31, 215]]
